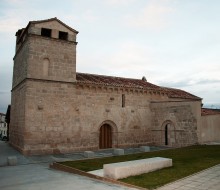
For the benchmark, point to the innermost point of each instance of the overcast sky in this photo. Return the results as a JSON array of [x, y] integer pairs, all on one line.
[[173, 43]]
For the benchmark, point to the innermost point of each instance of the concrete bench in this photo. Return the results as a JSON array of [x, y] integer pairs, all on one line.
[[131, 168]]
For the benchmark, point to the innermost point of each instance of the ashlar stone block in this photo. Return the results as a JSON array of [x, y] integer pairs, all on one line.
[[118, 151], [132, 168], [89, 154], [144, 148], [12, 161]]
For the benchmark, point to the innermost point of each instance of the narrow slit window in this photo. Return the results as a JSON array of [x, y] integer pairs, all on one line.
[[63, 35], [123, 100], [46, 32]]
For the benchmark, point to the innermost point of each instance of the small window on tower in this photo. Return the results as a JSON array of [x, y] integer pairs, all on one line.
[[46, 32], [63, 35]]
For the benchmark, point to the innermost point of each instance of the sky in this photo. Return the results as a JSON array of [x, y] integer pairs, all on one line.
[[173, 43]]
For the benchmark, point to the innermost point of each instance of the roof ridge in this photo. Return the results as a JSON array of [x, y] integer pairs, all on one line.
[[111, 76], [54, 18]]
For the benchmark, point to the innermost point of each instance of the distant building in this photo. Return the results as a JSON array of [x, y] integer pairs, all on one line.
[[7, 119], [3, 127], [54, 109]]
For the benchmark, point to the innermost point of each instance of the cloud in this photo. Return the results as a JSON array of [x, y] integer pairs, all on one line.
[[4, 92], [119, 2], [154, 15], [90, 16], [190, 82], [126, 59], [201, 88], [10, 24]]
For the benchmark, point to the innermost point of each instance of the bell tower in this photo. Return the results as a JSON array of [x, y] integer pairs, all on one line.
[[45, 50], [44, 68]]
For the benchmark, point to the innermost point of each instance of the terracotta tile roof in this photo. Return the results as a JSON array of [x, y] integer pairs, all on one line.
[[208, 111], [114, 81], [23, 30], [131, 83], [51, 19], [177, 93]]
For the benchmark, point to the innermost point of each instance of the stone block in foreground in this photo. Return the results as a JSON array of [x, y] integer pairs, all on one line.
[[89, 154], [144, 148], [131, 168], [12, 160], [118, 151]]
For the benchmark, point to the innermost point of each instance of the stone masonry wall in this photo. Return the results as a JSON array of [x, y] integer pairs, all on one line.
[[184, 122], [20, 65], [210, 128], [50, 119], [55, 26], [58, 55], [17, 122], [65, 117]]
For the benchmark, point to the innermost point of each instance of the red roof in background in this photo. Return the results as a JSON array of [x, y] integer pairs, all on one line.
[[208, 111], [131, 83]]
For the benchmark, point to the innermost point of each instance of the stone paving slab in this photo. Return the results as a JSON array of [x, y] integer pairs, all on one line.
[[39, 176], [6, 150], [204, 180]]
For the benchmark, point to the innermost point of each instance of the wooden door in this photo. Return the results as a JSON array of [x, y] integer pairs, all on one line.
[[105, 137]]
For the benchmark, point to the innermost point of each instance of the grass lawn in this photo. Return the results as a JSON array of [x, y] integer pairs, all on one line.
[[186, 161]]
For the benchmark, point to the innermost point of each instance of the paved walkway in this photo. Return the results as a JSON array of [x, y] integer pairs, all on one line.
[[32, 172], [205, 180], [6, 150], [39, 176]]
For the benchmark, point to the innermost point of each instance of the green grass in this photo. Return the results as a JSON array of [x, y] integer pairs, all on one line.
[[186, 161]]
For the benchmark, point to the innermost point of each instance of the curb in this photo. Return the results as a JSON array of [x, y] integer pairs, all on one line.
[[64, 168]]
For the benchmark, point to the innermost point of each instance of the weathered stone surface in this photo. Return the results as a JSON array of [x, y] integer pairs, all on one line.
[[89, 154], [12, 160], [210, 128], [131, 168], [144, 148], [118, 151]]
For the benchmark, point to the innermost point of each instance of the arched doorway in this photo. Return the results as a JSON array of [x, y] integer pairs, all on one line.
[[168, 133], [105, 136]]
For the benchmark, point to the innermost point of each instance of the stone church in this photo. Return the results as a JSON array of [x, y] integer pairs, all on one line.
[[55, 109]]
